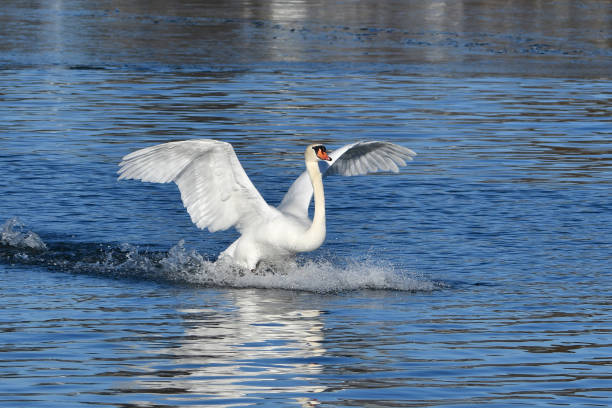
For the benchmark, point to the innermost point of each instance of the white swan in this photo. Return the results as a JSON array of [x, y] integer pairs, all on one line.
[[218, 194]]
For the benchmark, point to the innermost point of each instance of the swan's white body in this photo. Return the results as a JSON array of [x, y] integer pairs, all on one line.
[[218, 194]]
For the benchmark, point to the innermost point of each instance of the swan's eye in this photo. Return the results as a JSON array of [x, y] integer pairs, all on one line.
[[319, 147]]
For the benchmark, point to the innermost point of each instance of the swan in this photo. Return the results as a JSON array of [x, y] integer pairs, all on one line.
[[218, 194]]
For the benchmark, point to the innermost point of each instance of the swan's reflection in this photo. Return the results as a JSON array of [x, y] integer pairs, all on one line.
[[261, 344]]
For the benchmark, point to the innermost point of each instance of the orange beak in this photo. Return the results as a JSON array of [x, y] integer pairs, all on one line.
[[323, 155]]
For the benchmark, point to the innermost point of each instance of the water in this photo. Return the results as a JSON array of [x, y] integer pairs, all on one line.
[[478, 275]]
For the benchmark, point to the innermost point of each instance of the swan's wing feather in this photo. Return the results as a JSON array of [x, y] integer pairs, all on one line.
[[297, 198], [368, 157], [350, 160], [215, 189]]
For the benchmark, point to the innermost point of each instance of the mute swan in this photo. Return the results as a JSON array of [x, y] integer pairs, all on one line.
[[218, 194]]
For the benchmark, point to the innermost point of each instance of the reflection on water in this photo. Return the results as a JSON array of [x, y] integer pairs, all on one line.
[[278, 350], [147, 345], [72, 340], [521, 37]]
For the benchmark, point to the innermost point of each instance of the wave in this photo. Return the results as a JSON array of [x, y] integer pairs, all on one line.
[[183, 266]]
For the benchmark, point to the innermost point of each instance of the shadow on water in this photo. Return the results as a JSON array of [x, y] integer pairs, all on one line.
[[187, 267]]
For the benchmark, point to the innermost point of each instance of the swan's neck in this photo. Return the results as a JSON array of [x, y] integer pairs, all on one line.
[[315, 235]]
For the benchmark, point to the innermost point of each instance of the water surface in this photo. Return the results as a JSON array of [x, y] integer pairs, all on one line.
[[477, 275]]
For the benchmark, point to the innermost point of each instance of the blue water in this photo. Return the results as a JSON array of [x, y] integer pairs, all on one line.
[[477, 275]]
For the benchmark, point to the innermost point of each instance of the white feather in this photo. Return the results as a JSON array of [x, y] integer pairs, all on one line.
[[214, 188]]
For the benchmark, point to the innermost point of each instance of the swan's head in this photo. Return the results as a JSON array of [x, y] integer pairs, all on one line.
[[316, 152]]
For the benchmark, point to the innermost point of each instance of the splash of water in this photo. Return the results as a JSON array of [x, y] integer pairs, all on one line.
[[13, 235], [183, 266], [309, 275]]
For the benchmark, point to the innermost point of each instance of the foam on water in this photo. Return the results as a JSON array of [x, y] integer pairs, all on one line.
[[183, 266]]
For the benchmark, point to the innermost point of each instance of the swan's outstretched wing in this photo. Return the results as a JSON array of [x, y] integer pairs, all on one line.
[[350, 160], [214, 187], [368, 157]]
